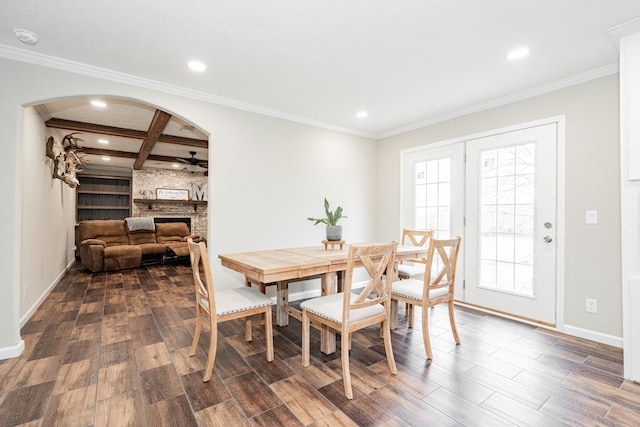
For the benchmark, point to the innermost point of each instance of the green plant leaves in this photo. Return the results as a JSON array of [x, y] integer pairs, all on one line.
[[332, 217]]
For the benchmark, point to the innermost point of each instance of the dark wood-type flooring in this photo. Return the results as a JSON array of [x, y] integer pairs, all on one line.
[[112, 349]]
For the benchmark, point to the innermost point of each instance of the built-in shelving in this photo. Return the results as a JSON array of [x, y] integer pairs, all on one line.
[[103, 197]]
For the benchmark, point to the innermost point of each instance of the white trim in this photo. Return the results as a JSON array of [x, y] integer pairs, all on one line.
[[619, 31], [45, 294], [560, 219], [593, 336], [509, 99], [119, 77], [13, 351], [629, 207]]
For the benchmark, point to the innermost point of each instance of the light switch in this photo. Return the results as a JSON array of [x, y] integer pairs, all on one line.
[[592, 217]]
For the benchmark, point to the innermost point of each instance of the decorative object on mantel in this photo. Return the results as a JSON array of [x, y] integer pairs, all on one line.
[[171, 194], [66, 159], [146, 194], [334, 231], [200, 192]]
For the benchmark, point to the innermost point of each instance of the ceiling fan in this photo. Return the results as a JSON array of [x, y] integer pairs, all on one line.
[[193, 164]]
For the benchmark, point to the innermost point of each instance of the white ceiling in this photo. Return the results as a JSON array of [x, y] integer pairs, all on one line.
[[405, 62]]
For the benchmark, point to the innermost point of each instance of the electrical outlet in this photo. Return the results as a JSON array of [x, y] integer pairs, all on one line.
[[592, 305], [26, 292]]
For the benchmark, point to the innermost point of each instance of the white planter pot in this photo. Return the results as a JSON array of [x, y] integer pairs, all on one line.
[[334, 232]]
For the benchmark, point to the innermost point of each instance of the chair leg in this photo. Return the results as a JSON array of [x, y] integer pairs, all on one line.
[[410, 314], [393, 321], [305, 339], [268, 333], [456, 337], [211, 359], [346, 372], [388, 349], [425, 332], [196, 334]]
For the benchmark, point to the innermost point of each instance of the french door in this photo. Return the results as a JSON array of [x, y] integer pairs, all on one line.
[[502, 201], [511, 223], [432, 197]]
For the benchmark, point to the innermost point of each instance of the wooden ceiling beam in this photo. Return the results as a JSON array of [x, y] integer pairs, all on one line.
[[122, 132], [157, 125], [125, 154]]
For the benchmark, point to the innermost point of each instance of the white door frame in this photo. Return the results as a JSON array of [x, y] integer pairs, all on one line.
[[560, 207]]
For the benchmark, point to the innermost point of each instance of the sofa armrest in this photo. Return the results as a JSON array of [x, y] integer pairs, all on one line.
[[88, 242], [92, 254]]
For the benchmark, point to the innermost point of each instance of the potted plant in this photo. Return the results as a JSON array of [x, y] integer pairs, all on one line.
[[334, 231]]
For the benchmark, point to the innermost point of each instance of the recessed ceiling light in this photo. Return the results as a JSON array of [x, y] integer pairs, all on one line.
[[106, 159], [175, 165], [98, 103], [26, 36], [103, 141], [518, 53], [197, 66], [362, 114]]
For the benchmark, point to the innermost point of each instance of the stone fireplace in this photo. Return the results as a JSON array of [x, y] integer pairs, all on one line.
[[144, 185]]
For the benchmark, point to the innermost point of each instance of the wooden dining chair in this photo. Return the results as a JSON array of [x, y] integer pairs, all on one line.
[[432, 289], [413, 267], [224, 305], [347, 312]]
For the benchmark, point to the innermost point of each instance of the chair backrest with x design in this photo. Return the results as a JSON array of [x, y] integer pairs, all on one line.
[[376, 259], [202, 277], [415, 267], [416, 237], [445, 251]]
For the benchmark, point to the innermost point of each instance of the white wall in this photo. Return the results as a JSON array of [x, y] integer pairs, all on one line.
[[10, 136], [48, 218], [592, 253], [266, 175]]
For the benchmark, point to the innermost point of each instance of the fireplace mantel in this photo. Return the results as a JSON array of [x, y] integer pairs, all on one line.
[[151, 202]]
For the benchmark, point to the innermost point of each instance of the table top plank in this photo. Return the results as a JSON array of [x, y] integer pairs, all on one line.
[[273, 265]]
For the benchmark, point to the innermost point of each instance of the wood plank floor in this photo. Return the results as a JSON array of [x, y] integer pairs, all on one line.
[[112, 349]]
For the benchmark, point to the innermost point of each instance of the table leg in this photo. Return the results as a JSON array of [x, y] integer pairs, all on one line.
[[393, 311], [329, 284], [393, 321], [282, 317]]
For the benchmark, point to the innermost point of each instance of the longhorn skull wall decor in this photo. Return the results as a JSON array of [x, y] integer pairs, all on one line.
[[66, 158]]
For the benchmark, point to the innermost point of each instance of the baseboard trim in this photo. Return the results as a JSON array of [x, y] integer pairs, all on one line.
[[45, 294], [594, 336], [13, 351]]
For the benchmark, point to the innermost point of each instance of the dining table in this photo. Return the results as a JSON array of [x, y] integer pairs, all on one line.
[[280, 267]]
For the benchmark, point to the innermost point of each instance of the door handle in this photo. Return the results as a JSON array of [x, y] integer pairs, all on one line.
[[548, 239]]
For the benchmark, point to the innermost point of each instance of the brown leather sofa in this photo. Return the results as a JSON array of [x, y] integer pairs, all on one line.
[[109, 245]]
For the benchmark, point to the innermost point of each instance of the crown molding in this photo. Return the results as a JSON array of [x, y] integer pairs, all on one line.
[[509, 99], [119, 77], [619, 31]]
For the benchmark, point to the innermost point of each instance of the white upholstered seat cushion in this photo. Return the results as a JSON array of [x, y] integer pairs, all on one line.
[[330, 307], [411, 270], [413, 288], [238, 299]]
